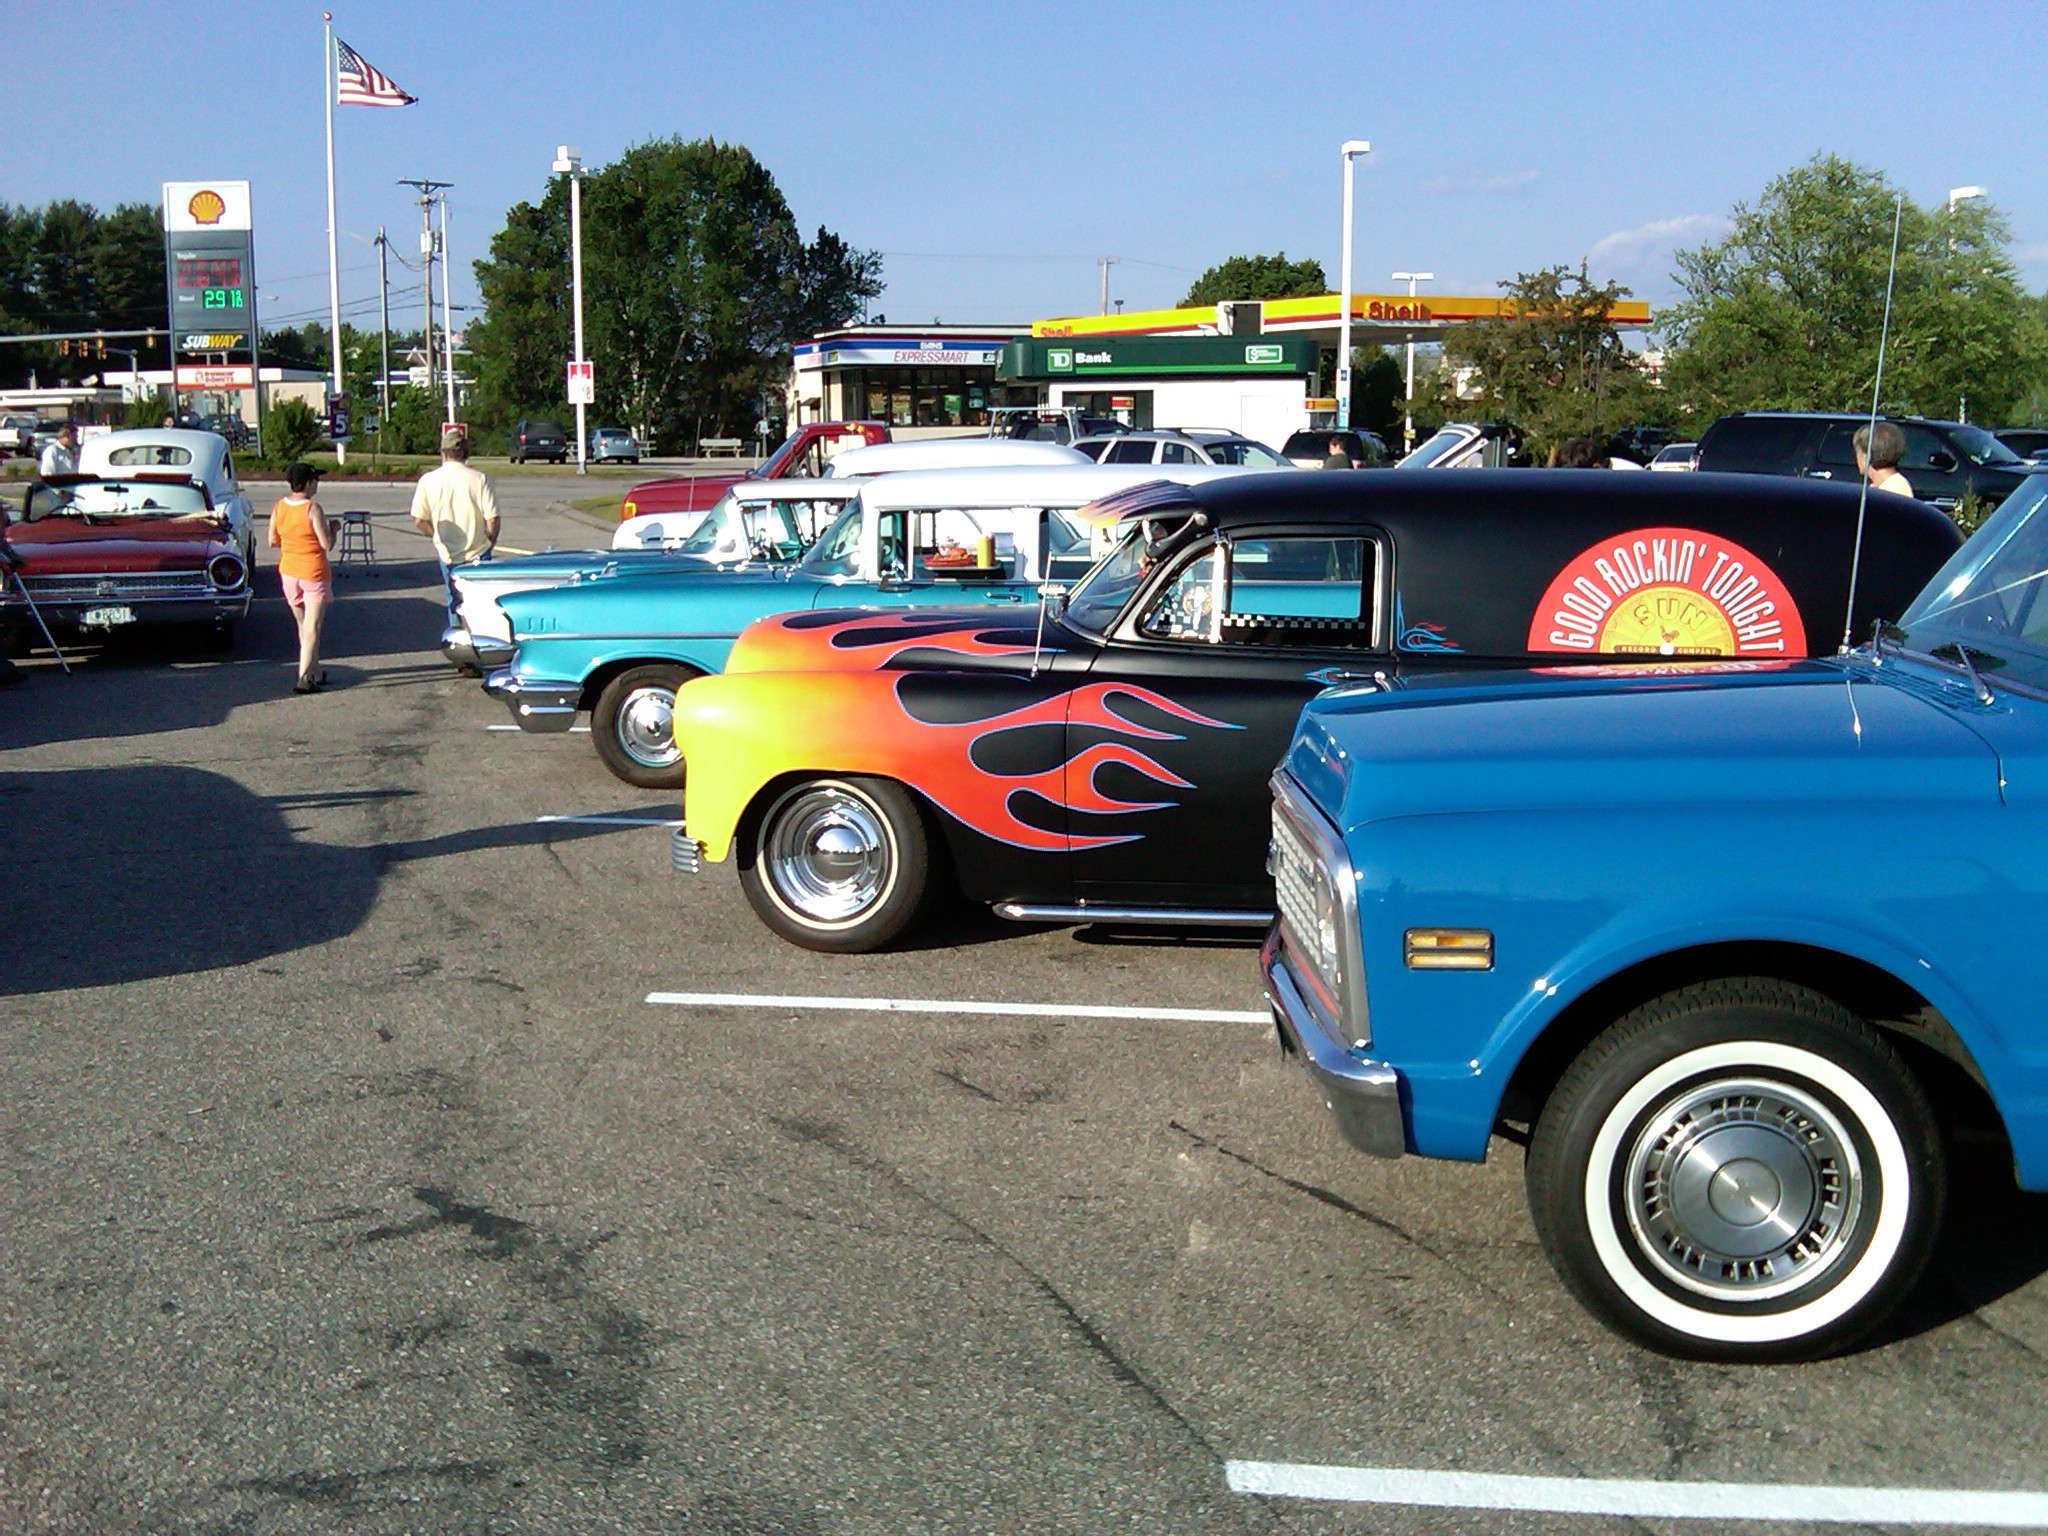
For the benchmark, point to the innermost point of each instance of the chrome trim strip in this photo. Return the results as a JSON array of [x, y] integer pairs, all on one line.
[[1093, 912], [538, 636], [1293, 803], [544, 706], [1363, 1095]]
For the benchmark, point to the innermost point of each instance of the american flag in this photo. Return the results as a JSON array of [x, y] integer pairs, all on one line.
[[356, 84]]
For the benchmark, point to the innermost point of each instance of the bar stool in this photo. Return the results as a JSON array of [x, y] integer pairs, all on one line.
[[358, 541]]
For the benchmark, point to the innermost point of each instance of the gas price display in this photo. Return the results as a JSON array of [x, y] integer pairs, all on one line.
[[214, 281]]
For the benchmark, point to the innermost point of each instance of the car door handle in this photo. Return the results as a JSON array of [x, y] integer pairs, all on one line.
[[1820, 474], [1331, 676]]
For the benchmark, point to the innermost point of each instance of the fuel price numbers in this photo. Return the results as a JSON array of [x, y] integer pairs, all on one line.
[[213, 282]]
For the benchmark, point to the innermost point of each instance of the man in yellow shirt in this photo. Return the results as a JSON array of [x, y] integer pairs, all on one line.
[[455, 507]]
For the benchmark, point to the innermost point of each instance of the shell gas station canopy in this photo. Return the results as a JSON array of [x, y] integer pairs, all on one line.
[[1376, 318]]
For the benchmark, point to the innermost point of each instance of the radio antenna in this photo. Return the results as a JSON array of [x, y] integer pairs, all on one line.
[[1876, 392]]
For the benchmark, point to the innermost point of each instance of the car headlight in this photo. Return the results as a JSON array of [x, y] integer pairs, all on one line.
[[628, 508], [226, 571]]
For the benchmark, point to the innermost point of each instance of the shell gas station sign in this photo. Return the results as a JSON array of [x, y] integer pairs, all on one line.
[[209, 262]]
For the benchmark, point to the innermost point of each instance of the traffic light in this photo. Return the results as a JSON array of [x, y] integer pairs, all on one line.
[[100, 345], [63, 346]]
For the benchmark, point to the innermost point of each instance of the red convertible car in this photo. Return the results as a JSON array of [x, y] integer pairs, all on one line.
[[104, 553]]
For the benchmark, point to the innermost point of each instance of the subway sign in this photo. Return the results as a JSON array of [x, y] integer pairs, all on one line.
[[1154, 356]]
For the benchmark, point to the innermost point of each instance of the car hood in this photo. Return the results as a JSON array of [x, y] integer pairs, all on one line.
[[65, 546], [899, 639], [567, 562], [1824, 732]]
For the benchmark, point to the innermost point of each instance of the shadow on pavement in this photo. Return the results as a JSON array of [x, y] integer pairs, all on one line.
[[120, 874]]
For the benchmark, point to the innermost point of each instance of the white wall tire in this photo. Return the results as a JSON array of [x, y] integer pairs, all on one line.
[[1738, 1171], [838, 864]]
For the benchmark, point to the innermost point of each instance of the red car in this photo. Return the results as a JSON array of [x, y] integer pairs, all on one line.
[[99, 553], [801, 453]]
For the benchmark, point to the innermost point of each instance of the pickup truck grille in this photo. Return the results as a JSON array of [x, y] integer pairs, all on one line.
[[138, 584], [1294, 887]]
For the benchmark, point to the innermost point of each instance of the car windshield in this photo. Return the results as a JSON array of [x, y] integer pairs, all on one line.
[[837, 552], [1100, 596], [1981, 447], [104, 500], [1989, 604], [1427, 452], [1244, 451]]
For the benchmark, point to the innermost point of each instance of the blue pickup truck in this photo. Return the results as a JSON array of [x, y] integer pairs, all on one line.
[[1733, 948]]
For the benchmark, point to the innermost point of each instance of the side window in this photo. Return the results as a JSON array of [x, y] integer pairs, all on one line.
[[1176, 453], [1921, 446], [1838, 447], [1137, 451], [1303, 591]]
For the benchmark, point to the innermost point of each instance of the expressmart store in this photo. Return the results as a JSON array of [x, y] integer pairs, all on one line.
[[1257, 385]]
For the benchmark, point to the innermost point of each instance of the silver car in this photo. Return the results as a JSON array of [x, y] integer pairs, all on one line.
[[613, 445]]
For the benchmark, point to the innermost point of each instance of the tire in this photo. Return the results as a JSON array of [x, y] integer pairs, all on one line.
[[631, 725], [1688, 1140], [838, 864]]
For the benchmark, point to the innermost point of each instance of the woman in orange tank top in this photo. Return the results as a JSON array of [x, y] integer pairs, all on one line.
[[302, 536]]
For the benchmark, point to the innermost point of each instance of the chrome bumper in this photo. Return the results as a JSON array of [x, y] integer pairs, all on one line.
[[195, 608], [541, 705], [1364, 1095], [465, 650]]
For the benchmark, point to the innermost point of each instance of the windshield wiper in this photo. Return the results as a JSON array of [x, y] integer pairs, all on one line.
[[1962, 653]]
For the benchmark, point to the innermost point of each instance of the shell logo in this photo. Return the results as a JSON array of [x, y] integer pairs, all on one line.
[[206, 206]]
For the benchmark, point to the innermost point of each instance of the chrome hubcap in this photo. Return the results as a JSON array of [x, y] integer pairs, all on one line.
[[646, 726], [1743, 1189], [826, 854]]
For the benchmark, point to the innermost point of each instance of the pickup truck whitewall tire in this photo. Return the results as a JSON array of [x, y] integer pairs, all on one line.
[[1738, 1171], [838, 864]]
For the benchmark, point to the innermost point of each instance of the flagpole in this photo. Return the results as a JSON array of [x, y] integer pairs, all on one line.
[[333, 261]]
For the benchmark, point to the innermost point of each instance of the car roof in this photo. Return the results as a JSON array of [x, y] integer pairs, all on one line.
[[1265, 496], [1894, 416], [1032, 484], [947, 453], [207, 448]]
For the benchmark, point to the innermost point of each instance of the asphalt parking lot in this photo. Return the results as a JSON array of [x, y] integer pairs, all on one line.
[[353, 1181]]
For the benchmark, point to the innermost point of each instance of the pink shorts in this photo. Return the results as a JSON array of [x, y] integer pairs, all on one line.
[[299, 590]]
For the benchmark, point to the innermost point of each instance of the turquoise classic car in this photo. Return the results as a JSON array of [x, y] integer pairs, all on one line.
[[1733, 949], [619, 645]]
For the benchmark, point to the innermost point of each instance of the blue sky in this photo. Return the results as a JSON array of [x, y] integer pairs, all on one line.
[[993, 152]]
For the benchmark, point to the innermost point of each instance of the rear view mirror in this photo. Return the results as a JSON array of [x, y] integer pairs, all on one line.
[[1940, 462]]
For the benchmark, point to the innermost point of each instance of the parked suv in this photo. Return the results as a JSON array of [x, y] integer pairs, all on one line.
[[1943, 461], [538, 437]]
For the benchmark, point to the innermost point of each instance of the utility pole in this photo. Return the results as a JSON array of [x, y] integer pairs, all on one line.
[[1408, 398], [383, 333], [426, 190], [447, 314], [1106, 262]]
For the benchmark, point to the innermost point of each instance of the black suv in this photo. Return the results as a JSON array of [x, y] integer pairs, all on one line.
[[537, 437], [1943, 461]]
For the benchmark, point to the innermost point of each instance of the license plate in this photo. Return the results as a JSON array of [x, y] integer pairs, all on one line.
[[106, 618]]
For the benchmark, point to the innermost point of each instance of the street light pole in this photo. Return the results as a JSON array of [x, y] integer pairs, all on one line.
[[1408, 395], [569, 163], [1351, 150]]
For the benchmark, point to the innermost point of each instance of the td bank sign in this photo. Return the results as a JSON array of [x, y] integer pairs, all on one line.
[[1154, 356]]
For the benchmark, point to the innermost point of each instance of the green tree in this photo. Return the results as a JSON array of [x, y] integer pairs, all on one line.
[[1552, 363], [696, 283], [414, 425], [1786, 310], [1258, 277], [290, 429]]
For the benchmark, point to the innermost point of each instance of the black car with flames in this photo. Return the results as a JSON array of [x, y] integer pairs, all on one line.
[[1105, 759]]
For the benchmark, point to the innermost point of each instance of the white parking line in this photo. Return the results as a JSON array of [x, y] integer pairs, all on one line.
[[1643, 1499], [575, 730], [957, 1005], [618, 819]]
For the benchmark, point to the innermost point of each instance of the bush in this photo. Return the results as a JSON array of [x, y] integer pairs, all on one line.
[[148, 411], [290, 429], [1970, 510], [413, 425]]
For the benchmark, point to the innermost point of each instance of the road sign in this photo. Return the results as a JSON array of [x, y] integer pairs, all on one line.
[[582, 384], [337, 418]]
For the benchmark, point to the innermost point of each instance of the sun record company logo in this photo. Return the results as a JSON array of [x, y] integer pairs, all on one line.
[[1668, 592]]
